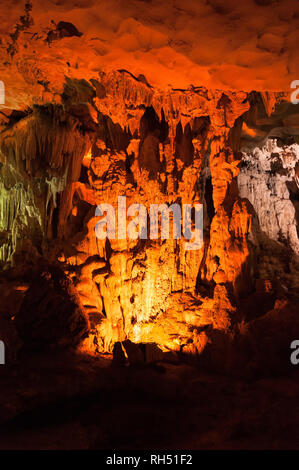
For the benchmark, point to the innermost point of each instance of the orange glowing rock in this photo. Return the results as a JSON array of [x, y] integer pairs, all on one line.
[[95, 117]]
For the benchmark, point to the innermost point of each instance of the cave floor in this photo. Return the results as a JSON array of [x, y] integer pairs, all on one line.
[[63, 400]]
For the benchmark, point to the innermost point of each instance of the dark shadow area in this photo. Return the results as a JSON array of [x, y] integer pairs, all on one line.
[[63, 400], [294, 198], [50, 314], [184, 149], [112, 134], [152, 132]]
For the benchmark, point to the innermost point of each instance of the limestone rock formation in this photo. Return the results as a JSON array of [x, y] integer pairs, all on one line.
[[76, 136], [268, 180]]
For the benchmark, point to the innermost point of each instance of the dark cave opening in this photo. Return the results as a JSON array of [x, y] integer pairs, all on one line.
[[209, 198]]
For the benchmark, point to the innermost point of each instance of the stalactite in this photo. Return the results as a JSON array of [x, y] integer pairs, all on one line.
[[45, 150]]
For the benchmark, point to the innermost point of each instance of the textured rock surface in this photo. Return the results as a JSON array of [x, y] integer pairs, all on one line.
[[117, 137], [74, 135], [242, 45]]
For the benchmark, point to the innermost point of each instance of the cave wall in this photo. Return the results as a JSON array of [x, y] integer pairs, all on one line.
[[75, 137], [119, 137]]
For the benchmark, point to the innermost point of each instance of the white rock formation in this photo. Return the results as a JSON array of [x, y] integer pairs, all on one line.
[[263, 181]]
